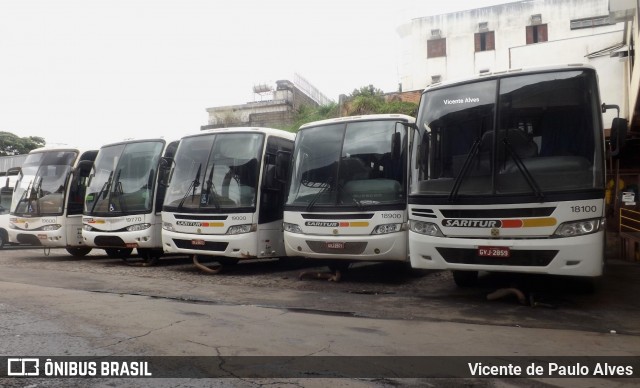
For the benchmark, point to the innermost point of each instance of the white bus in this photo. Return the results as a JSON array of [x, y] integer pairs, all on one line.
[[508, 173], [8, 180], [46, 208], [123, 205], [223, 199], [347, 194]]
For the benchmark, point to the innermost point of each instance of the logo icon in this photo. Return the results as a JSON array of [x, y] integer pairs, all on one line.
[[23, 367]]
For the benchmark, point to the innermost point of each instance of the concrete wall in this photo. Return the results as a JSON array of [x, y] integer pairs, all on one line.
[[277, 112], [509, 22]]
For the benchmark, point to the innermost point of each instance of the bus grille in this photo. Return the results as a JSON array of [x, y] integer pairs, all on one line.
[[218, 246], [524, 258], [350, 248], [109, 241]]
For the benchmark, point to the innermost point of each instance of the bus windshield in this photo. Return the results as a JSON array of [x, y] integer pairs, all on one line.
[[530, 134], [41, 187], [123, 179], [347, 165], [216, 172]]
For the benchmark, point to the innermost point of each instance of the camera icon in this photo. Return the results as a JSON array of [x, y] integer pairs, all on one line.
[[23, 367]]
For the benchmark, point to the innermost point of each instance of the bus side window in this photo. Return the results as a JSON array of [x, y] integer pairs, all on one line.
[[272, 198]]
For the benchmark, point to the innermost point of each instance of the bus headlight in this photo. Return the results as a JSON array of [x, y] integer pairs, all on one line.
[[291, 228], [387, 228], [50, 228], [428, 228], [138, 227], [168, 226], [239, 229], [579, 228], [87, 227]]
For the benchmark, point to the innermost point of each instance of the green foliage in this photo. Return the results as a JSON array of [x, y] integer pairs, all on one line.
[[362, 101], [307, 114], [366, 91], [401, 107], [11, 144]]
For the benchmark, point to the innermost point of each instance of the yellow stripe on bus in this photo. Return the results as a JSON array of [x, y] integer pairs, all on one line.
[[539, 222]]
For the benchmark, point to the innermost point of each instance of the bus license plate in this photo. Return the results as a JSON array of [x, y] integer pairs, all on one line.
[[197, 242], [494, 251], [335, 245]]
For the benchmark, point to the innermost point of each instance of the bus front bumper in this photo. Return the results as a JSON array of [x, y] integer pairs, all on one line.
[[384, 247], [240, 246], [570, 256]]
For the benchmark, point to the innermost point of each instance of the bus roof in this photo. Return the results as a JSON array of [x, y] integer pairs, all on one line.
[[386, 116], [266, 131], [510, 72], [135, 140]]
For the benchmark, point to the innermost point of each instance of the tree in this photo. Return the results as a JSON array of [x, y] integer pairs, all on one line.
[[11, 144], [362, 101]]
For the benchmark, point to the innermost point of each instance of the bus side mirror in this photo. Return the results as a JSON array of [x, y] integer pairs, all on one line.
[[618, 135], [395, 145], [164, 166], [282, 165], [84, 168], [423, 152]]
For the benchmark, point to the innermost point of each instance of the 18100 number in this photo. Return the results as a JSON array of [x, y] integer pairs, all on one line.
[[584, 209]]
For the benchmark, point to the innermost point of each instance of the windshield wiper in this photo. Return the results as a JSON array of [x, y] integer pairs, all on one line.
[[324, 187], [119, 192], [103, 190], [358, 203], [463, 171], [194, 185], [25, 196], [36, 194], [524, 170], [210, 190]]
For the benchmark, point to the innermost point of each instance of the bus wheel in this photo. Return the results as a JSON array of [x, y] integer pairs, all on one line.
[[3, 238], [148, 258], [78, 251], [465, 278], [118, 253]]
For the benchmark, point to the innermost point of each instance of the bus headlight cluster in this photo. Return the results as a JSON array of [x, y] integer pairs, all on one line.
[[428, 228], [239, 229], [291, 228], [579, 228], [138, 227], [387, 228], [87, 227], [168, 226], [50, 228]]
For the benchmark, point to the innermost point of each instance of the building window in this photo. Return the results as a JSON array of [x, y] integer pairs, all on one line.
[[485, 41], [537, 34], [591, 22], [436, 79], [437, 48]]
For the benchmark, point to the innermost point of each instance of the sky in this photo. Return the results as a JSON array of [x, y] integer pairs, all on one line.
[[92, 72]]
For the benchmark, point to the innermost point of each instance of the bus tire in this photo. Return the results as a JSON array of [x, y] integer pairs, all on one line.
[[118, 253], [150, 257], [465, 278], [78, 251], [3, 238]]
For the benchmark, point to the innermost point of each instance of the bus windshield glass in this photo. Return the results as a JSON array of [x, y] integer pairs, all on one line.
[[348, 165], [530, 134], [123, 179], [216, 172], [42, 185]]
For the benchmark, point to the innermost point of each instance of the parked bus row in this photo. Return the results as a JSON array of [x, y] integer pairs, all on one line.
[[501, 172]]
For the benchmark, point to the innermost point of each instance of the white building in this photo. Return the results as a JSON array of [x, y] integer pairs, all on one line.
[[515, 35]]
